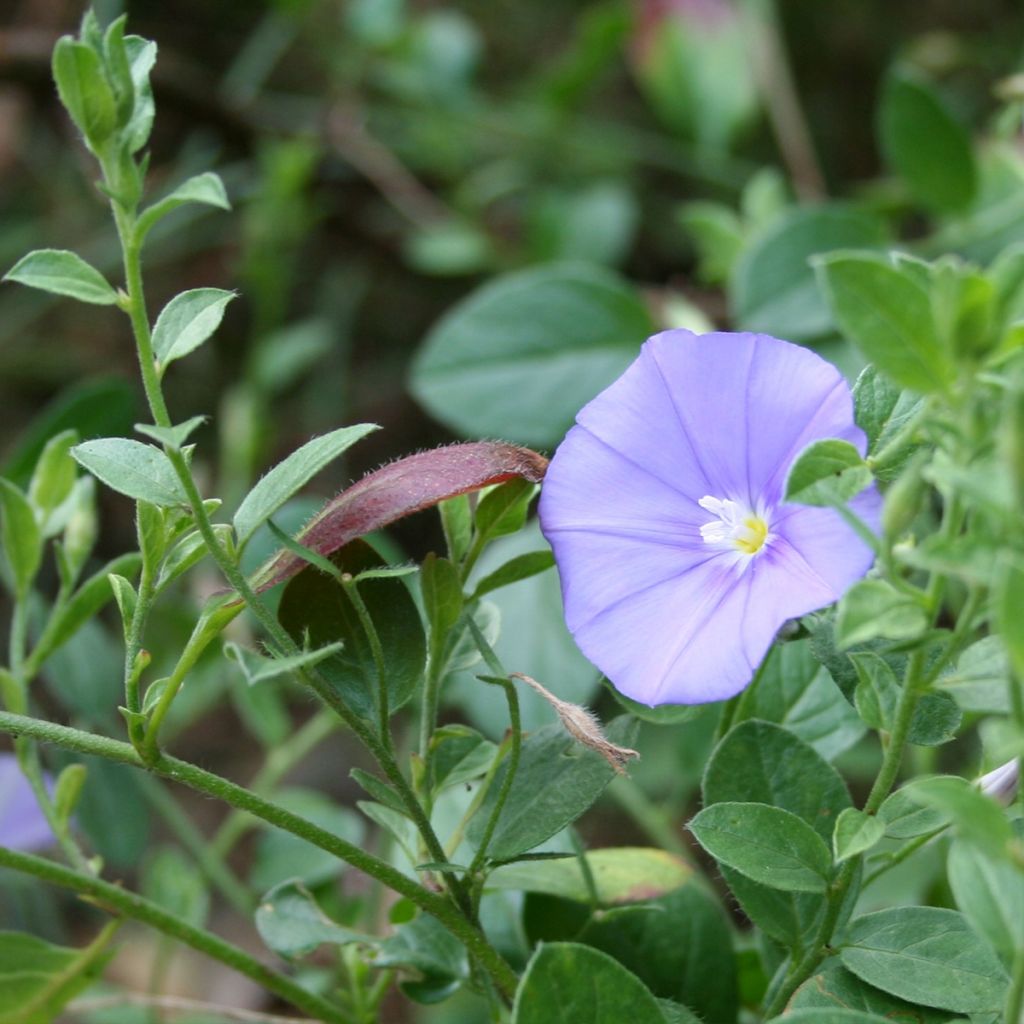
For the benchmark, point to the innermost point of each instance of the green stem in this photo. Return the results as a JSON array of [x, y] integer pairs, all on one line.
[[241, 798], [131, 243], [516, 738], [133, 643], [114, 899], [1014, 1013]]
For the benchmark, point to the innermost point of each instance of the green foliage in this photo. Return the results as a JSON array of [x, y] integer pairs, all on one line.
[[773, 289], [765, 844], [925, 144], [925, 955], [187, 321], [567, 983], [557, 780], [316, 609], [827, 473], [39, 978], [518, 358]]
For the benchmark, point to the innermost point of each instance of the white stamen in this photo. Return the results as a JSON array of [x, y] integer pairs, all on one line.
[[735, 526]]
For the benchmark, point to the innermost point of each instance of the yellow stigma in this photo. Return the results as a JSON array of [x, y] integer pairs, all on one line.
[[753, 539], [734, 526]]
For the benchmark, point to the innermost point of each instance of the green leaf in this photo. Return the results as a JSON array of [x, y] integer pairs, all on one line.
[[925, 955], [855, 832], [204, 188], [979, 819], [620, 874], [438, 958], [924, 144], [171, 437], [281, 856], [887, 314], [396, 823], [990, 894], [557, 780], [874, 608], [187, 321], [827, 473], [793, 690], [835, 989], [878, 691], [978, 683], [289, 476], [766, 844], [519, 357], [881, 409], [115, 54], [458, 754], [53, 480], [764, 763], [137, 470], [905, 818], [718, 234], [441, 587], [379, 790], [673, 944], [521, 567], [67, 789], [316, 610], [768, 764], [502, 510], [259, 669], [291, 922], [773, 289], [21, 537], [84, 90], [831, 1016], [567, 983], [141, 56], [37, 979], [62, 273]]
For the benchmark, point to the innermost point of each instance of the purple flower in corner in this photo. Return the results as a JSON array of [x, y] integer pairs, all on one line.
[[22, 824], [678, 557]]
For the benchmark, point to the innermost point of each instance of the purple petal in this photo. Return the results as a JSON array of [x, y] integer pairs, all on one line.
[[22, 824], [668, 618]]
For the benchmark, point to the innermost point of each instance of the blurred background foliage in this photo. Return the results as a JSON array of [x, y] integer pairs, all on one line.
[[387, 159]]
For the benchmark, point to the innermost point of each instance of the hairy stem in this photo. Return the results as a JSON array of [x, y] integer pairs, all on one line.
[[237, 796]]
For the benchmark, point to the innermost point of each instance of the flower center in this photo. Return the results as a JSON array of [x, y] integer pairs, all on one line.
[[735, 526]]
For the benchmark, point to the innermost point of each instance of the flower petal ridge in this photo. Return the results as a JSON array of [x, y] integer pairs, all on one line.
[[678, 557]]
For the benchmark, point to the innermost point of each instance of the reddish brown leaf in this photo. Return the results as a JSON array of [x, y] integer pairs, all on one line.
[[399, 489]]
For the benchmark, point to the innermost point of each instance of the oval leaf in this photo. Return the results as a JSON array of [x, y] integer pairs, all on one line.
[[925, 955], [137, 470], [399, 489], [567, 983], [187, 321], [773, 288], [767, 844], [63, 273], [519, 357], [925, 145], [827, 473], [316, 611], [888, 315]]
